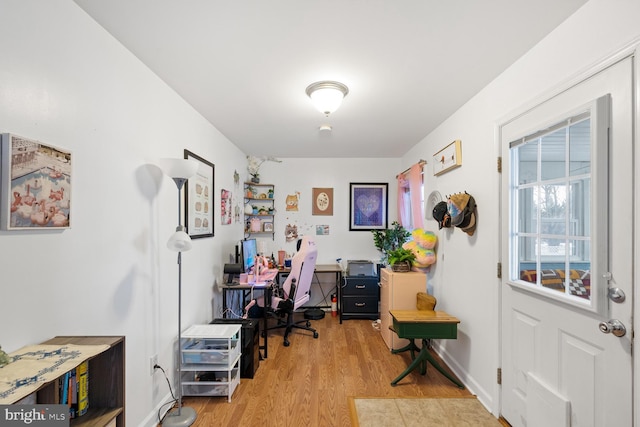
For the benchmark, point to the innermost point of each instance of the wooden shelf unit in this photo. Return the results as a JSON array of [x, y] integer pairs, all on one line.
[[106, 381], [267, 202]]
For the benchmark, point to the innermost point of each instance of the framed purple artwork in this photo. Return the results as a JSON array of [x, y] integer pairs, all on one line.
[[368, 206]]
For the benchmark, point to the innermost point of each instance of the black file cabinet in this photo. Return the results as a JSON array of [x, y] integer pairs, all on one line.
[[359, 296]]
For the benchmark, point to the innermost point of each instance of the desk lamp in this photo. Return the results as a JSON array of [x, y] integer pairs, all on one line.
[[179, 170]]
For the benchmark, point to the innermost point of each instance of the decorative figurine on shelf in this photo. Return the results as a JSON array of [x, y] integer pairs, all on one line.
[[4, 358]]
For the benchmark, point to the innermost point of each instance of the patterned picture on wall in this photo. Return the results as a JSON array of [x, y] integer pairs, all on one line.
[[368, 206], [36, 185]]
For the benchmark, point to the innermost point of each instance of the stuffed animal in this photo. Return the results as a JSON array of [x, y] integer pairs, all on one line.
[[423, 245]]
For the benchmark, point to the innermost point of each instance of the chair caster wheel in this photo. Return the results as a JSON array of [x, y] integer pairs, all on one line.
[[286, 343], [315, 335]]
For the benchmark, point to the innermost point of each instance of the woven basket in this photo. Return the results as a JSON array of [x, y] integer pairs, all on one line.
[[401, 267]]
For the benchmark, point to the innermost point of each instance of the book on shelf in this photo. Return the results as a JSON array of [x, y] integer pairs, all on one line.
[[74, 390], [82, 374]]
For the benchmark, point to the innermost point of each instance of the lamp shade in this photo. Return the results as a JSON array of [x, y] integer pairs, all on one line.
[[178, 168], [179, 241], [327, 96]]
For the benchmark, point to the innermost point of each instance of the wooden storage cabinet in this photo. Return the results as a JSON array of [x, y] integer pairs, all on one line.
[[210, 357], [359, 297], [398, 292], [106, 382]]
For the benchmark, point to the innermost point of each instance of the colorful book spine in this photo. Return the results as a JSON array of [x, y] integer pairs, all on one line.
[[65, 388], [82, 376]]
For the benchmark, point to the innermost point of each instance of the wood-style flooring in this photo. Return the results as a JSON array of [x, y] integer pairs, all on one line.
[[308, 383]]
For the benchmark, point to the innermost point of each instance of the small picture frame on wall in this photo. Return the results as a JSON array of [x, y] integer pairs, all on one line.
[[450, 157], [267, 227], [322, 199]]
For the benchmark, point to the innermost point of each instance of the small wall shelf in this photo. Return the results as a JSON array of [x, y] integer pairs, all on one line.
[[261, 221]]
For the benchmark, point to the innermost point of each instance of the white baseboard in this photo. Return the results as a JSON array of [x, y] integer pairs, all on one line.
[[151, 420]]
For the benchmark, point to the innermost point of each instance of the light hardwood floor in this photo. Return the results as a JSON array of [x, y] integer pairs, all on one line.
[[308, 383]]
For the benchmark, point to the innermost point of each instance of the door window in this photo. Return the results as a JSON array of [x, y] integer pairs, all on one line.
[[553, 197]]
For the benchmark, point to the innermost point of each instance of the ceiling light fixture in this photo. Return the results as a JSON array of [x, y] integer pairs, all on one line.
[[327, 96]]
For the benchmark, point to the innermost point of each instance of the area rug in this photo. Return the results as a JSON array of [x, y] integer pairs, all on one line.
[[417, 411]]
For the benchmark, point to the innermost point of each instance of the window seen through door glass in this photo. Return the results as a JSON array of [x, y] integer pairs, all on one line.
[[552, 186]]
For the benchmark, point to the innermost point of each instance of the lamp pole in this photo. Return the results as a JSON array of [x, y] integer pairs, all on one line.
[[179, 242]]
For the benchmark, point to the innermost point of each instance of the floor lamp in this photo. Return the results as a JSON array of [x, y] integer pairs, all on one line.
[[179, 170]]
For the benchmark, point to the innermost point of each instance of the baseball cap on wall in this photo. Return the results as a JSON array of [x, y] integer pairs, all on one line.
[[441, 214]]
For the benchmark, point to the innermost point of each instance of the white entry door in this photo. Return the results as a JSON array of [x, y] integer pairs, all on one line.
[[567, 256]]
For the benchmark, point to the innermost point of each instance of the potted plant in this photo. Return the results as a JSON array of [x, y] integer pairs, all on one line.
[[253, 166], [390, 239], [401, 259]]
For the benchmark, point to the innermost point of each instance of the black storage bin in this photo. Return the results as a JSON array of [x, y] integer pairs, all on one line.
[[250, 359]]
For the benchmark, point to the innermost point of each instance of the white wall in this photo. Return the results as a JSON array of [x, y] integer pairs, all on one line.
[[66, 82], [464, 278], [301, 176]]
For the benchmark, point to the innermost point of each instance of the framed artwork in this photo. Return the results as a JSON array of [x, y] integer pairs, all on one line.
[[198, 200], [267, 227], [450, 157], [322, 230], [226, 207], [368, 206], [36, 185], [322, 199]]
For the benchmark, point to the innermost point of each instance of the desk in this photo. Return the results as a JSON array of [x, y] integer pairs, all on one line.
[[424, 325], [266, 288], [246, 289], [320, 269]]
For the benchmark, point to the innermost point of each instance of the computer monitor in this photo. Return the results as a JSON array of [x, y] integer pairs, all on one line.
[[249, 254]]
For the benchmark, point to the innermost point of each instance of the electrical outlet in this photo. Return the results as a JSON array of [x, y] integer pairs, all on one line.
[[153, 361]]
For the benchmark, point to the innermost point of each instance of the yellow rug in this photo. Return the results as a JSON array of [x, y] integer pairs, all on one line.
[[409, 412]]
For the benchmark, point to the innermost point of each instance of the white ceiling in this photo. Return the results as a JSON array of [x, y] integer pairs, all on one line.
[[409, 64]]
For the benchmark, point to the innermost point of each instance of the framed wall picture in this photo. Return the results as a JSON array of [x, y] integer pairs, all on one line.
[[322, 199], [450, 157], [198, 200], [368, 206], [36, 185], [267, 227], [226, 207]]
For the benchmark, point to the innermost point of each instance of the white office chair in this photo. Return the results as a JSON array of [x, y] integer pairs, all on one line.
[[294, 292]]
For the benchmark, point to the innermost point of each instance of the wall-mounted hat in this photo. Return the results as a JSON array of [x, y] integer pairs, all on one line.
[[468, 223], [441, 214], [456, 205]]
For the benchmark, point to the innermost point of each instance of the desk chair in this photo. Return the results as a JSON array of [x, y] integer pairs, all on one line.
[[294, 292]]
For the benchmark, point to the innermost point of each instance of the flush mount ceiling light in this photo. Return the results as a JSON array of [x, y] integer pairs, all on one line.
[[327, 96]]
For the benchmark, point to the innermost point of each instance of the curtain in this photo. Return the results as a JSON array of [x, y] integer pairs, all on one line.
[[404, 214], [410, 198], [415, 190]]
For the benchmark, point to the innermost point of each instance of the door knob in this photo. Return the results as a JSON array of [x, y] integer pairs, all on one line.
[[614, 327]]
